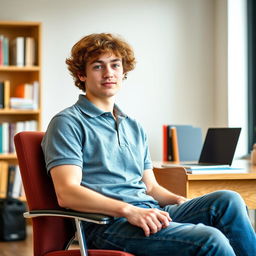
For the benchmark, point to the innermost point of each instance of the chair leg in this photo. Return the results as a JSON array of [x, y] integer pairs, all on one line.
[[81, 238]]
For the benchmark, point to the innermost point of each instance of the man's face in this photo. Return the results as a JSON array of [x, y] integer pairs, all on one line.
[[104, 76]]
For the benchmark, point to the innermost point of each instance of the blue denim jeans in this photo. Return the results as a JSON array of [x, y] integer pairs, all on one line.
[[214, 224]]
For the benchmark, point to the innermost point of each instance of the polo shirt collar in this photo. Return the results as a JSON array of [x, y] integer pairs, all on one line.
[[91, 110]]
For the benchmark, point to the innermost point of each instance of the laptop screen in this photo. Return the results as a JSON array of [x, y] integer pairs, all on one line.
[[219, 145]]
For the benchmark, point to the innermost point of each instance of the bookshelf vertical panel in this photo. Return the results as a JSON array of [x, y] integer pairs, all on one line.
[[16, 75]]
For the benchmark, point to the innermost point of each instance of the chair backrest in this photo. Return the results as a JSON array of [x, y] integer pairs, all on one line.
[[49, 233]]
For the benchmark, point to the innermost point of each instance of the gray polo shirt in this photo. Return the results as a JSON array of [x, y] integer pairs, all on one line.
[[113, 154]]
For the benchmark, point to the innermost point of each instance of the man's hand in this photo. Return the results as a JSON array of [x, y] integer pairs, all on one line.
[[150, 220], [181, 199]]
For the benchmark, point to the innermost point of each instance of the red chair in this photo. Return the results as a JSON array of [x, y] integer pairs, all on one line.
[[53, 226]]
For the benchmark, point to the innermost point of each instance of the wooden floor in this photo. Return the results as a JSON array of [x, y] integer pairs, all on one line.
[[21, 248], [18, 248]]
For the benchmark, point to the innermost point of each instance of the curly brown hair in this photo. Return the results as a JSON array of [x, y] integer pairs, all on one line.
[[92, 46]]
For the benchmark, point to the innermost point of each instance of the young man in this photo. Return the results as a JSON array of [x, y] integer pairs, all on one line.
[[99, 161]]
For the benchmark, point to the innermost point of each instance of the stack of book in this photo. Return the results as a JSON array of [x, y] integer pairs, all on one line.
[[26, 96], [181, 143], [10, 181]]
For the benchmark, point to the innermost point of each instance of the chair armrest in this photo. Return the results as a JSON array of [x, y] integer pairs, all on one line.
[[89, 217]]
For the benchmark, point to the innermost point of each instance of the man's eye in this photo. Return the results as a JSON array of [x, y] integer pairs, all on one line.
[[97, 67], [116, 65]]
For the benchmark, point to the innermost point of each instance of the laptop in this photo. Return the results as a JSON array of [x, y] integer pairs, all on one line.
[[218, 149]]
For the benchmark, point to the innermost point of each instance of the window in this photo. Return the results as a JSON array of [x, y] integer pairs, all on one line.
[[251, 16]]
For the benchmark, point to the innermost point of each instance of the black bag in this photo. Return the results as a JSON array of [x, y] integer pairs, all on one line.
[[12, 222]]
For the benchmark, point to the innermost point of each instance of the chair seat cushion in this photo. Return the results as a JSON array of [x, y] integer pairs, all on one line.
[[91, 253]]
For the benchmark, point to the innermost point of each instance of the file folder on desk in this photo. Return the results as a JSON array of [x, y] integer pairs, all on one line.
[[182, 143]]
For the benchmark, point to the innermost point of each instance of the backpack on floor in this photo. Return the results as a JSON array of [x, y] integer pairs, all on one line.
[[12, 222]]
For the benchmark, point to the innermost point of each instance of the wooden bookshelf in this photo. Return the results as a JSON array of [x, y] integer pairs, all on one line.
[[20, 75]]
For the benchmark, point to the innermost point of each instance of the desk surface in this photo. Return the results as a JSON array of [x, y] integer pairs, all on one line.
[[249, 173], [177, 180]]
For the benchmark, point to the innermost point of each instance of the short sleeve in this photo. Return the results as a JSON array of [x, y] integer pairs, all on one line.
[[62, 143], [147, 158]]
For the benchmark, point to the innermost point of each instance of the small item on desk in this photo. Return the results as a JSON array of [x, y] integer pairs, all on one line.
[[217, 170], [253, 155], [206, 169]]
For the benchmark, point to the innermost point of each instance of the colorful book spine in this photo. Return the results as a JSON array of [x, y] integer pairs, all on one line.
[[16, 192], [10, 180], [1, 138], [1, 94], [5, 137], [30, 51], [3, 178], [6, 94], [6, 51], [175, 146], [17, 51], [165, 145], [1, 50]]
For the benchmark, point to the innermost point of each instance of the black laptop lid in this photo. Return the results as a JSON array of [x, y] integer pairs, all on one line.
[[219, 145]]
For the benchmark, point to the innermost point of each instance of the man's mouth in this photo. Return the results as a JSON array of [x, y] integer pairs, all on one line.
[[108, 84]]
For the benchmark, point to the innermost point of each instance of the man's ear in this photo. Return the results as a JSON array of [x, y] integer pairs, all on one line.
[[82, 77]]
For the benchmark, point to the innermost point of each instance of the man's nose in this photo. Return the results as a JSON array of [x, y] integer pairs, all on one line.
[[108, 72]]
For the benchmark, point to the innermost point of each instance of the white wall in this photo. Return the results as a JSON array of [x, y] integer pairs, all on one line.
[[237, 71], [175, 44], [221, 64]]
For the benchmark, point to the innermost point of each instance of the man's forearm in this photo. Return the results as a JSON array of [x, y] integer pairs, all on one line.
[[165, 197], [86, 200]]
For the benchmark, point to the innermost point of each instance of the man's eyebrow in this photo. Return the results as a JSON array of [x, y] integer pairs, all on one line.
[[101, 61]]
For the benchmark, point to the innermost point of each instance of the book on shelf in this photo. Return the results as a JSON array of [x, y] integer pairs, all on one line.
[[4, 51], [8, 130], [1, 138], [17, 51], [1, 95], [21, 103], [5, 137], [3, 178], [30, 51], [10, 180], [4, 94], [35, 95], [24, 90], [12, 132], [23, 51], [1, 50], [17, 184]]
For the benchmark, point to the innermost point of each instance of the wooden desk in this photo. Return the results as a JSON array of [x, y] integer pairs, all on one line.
[[178, 181]]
